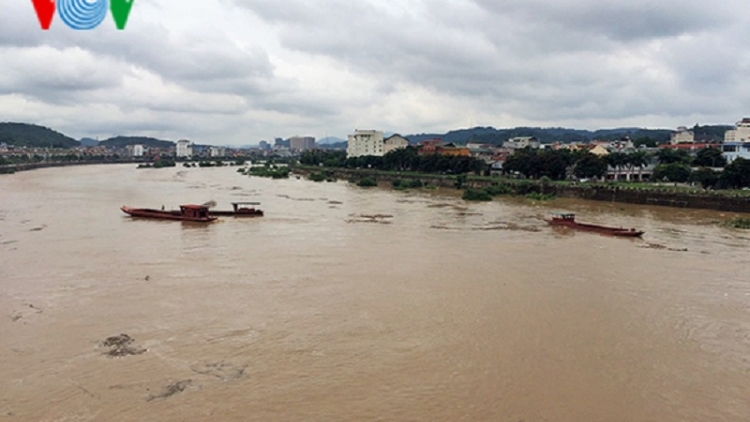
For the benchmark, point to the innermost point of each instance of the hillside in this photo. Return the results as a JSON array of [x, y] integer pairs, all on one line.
[[123, 141], [491, 135], [89, 142], [22, 134]]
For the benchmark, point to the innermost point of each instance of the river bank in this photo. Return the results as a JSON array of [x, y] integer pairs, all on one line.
[[14, 168], [636, 194]]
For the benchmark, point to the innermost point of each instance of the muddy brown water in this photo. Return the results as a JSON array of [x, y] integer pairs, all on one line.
[[346, 304]]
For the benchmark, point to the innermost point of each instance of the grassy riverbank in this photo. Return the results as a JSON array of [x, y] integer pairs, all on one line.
[[679, 196]]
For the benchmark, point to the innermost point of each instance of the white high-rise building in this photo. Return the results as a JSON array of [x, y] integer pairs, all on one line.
[[136, 150], [365, 142], [184, 148], [218, 151]]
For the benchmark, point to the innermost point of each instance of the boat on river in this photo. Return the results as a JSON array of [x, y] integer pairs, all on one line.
[[240, 209], [567, 219], [193, 213]]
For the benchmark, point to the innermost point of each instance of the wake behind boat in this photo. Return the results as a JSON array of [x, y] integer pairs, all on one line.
[[563, 219], [195, 213]]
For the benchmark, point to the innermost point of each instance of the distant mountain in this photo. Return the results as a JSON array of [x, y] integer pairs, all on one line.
[[123, 141], [22, 134], [335, 145], [88, 142], [490, 135], [329, 140]]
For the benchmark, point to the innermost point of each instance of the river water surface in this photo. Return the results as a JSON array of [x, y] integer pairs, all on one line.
[[346, 304]]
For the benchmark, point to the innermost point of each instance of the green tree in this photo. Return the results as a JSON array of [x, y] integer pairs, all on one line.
[[673, 172], [617, 160], [645, 140], [705, 176], [669, 156], [521, 161], [709, 157], [736, 174], [590, 166]]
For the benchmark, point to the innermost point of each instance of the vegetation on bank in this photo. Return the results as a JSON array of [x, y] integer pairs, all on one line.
[[158, 164], [675, 166], [525, 188], [406, 159], [738, 223], [66, 158], [269, 170], [367, 182], [323, 176], [407, 184]]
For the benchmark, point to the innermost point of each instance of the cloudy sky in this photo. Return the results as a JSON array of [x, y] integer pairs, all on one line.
[[235, 72]]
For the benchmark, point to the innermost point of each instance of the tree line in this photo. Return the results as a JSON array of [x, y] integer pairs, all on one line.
[[404, 159], [673, 166]]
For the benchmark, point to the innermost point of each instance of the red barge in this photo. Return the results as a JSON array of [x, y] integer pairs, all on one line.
[[193, 213], [561, 219]]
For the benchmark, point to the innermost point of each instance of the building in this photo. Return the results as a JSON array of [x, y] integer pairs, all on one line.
[[184, 149], [521, 142], [598, 150], [438, 147], [365, 142], [301, 143], [454, 150], [691, 148], [740, 133], [218, 152], [264, 146], [430, 146], [735, 150], [394, 142], [135, 150], [682, 135]]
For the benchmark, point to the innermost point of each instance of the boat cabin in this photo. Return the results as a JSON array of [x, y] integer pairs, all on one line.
[[194, 211], [564, 216], [242, 206]]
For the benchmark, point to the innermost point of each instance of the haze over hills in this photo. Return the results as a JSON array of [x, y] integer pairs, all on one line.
[[23, 134], [329, 140], [123, 141], [88, 142]]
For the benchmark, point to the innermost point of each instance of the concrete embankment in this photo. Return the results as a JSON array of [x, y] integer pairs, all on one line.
[[663, 196]]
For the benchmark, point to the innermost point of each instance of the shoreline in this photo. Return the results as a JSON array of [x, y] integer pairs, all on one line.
[[15, 168], [657, 195]]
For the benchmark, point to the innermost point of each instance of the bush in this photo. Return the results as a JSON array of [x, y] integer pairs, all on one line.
[[738, 223], [496, 190], [367, 182], [471, 194], [414, 183], [317, 177], [536, 196], [270, 171], [525, 187]]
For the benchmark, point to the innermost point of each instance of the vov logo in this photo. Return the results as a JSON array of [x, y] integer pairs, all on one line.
[[82, 14]]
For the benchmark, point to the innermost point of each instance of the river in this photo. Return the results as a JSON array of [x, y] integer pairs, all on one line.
[[352, 304]]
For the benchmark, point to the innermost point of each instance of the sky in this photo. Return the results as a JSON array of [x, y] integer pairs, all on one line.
[[235, 72]]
